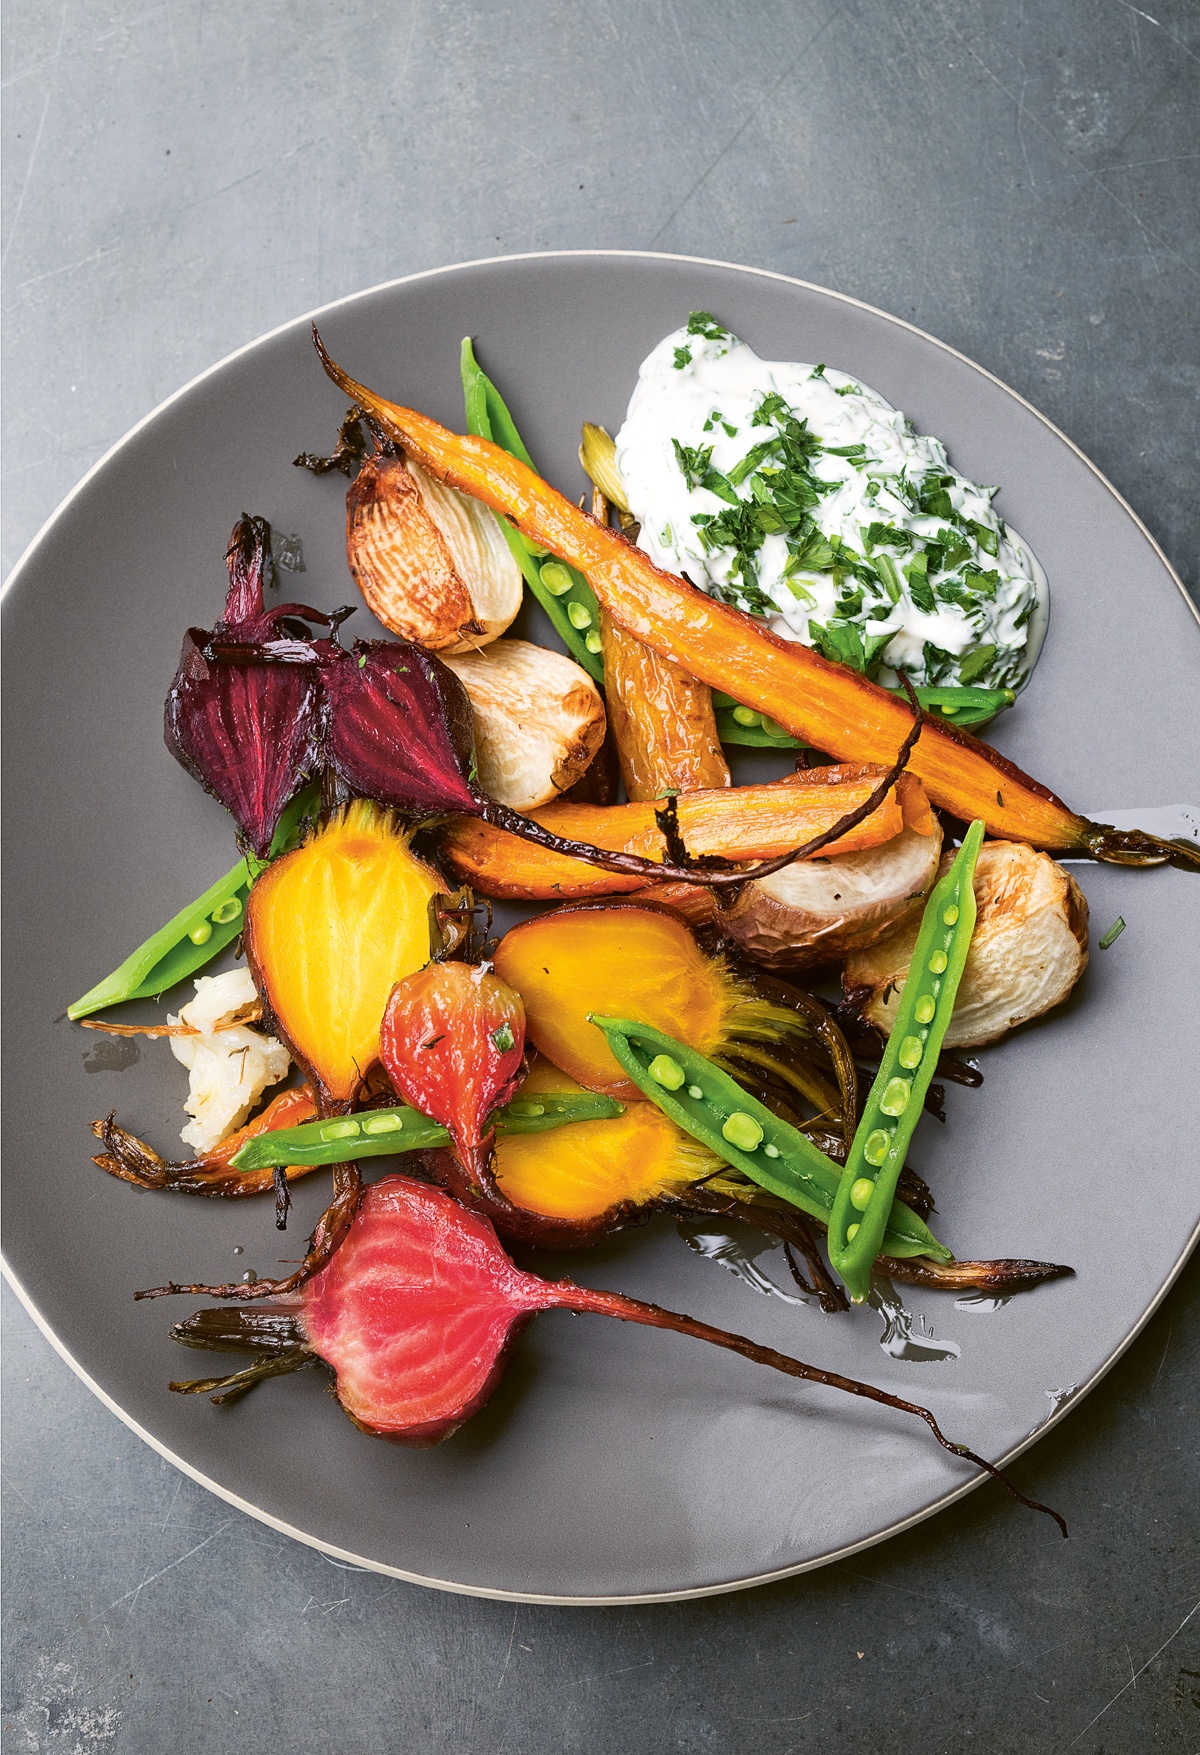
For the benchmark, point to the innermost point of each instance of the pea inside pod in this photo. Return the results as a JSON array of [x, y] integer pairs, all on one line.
[[710, 1105], [381, 1133], [865, 1195], [197, 933], [563, 593]]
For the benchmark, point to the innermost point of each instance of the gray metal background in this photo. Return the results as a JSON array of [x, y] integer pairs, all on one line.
[[1018, 180]]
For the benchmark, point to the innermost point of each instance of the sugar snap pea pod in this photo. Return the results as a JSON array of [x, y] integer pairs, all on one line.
[[563, 593], [894, 1103], [196, 934], [714, 1109], [965, 706], [381, 1132]]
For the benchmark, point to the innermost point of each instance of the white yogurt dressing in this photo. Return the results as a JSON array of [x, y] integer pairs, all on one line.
[[947, 593]]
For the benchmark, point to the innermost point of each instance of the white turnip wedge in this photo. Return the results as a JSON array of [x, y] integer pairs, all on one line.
[[1028, 950], [819, 910], [539, 720]]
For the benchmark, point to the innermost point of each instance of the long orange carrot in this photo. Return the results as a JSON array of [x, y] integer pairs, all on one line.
[[741, 823], [824, 704]]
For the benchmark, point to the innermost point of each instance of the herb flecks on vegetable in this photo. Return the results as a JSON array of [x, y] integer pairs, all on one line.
[[823, 704], [866, 1192], [452, 1044], [416, 1311]]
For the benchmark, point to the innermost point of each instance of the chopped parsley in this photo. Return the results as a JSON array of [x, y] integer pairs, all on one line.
[[849, 588]]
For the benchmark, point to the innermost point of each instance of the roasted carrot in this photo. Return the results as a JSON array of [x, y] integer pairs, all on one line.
[[743, 823], [662, 719], [824, 704]]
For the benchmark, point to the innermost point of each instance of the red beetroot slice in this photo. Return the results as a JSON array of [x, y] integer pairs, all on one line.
[[452, 1044], [417, 1309], [248, 731], [399, 728]]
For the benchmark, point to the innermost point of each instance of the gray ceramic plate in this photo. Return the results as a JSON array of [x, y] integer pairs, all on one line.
[[613, 1463]]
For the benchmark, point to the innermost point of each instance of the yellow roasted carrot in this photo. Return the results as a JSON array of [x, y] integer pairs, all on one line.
[[662, 719], [824, 704]]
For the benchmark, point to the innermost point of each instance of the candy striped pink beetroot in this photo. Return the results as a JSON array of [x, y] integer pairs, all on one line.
[[452, 1044], [417, 1309]]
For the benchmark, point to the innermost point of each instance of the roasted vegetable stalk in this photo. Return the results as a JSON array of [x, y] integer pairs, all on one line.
[[417, 1310], [213, 1172], [823, 704]]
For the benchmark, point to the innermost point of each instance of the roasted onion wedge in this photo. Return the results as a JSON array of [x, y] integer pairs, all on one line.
[[820, 910], [431, 563], [1028, 951], [539, 720]]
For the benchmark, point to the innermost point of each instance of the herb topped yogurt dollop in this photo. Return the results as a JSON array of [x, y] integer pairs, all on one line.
[[799, 494]]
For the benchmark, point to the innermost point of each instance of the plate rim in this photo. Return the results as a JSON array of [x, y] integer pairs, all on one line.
[[347, 1556]]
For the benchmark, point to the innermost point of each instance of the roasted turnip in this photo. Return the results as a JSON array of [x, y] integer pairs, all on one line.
[[1028, 951], [539, 720], [819, 910]]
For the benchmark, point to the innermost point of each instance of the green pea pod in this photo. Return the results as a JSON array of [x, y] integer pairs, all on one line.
[[196, 934], [861, 1212], [966, 707], [382, 1132], [563, 593], [703, 1100], [752, 731]]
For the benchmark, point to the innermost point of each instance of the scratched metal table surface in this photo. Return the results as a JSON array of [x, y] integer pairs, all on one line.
[[1017, 178]]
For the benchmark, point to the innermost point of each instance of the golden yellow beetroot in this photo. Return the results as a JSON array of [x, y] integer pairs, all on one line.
[[595, 1172], [633, 961], [330, 929]]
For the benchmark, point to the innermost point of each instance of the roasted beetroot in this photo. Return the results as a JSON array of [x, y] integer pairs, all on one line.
[[248, 729], [453, 1044], [415, 1313]]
